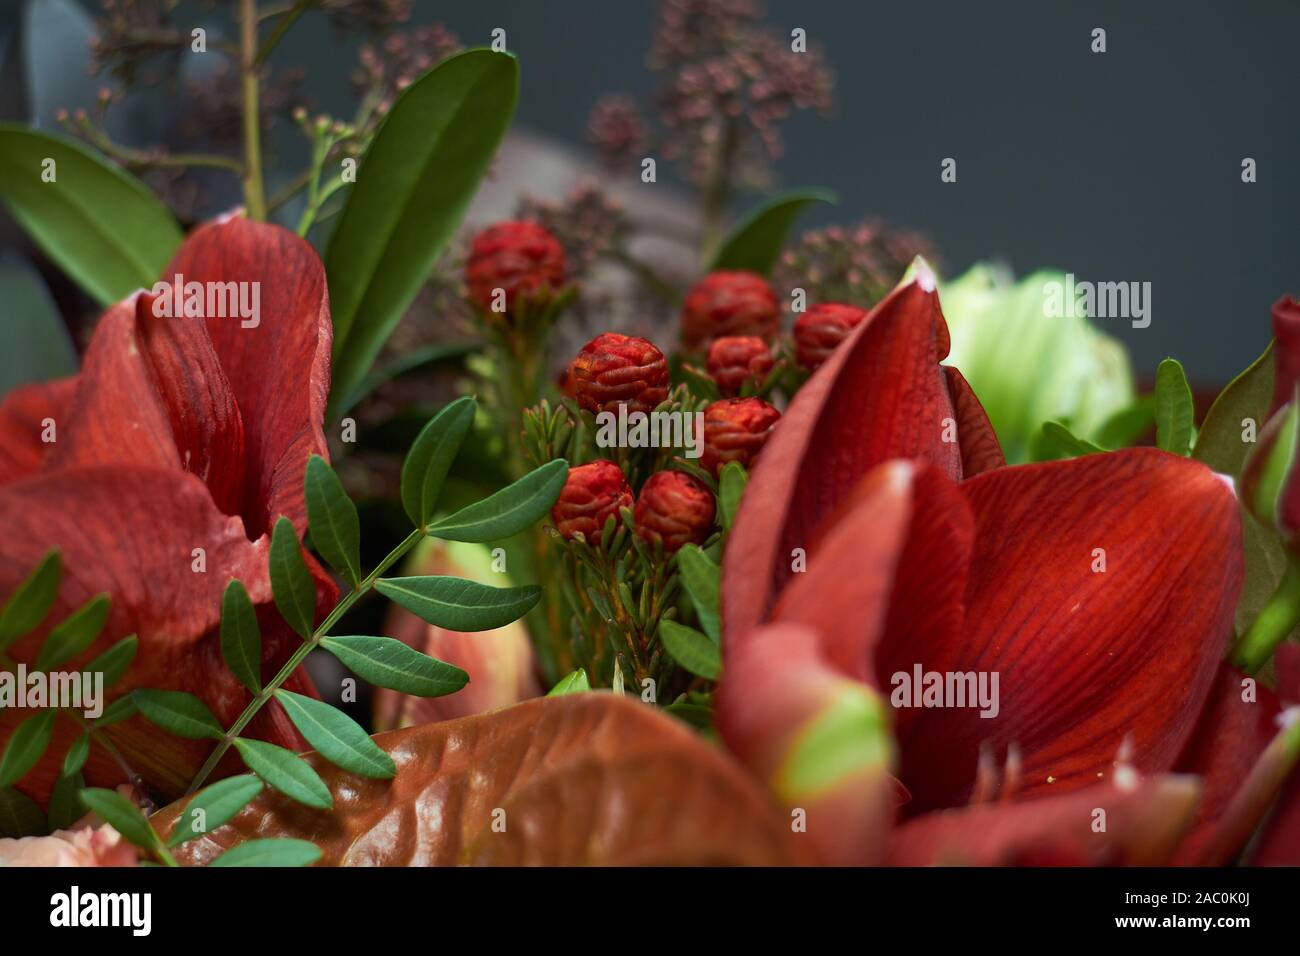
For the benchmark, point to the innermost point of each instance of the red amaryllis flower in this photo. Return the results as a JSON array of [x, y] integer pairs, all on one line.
[[821, 329], [1276, 501], [592, 494], [737, 359], [520, 258], [613, 370], [673, 509], [1086, 588], [177, 447], [727, 304], [736, 429]]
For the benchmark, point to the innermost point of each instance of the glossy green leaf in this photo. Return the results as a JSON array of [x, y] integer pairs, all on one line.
[[1220, 442], [34, 342], [66, 806], [123, 815], [178, 712], [431, 456], [25, 747], [731, 485], [413, 186], [286, 772], [336, 736], [757, 242], [691, 649], [510, 510], [1057, 441], [76, 756], [458, 604], [98, 223], [291, 582], [273, 851], [332, 518], [386, 662], [31, 600], [117, 711], [699, 576], [575, 683], [73, 634], [1174, 409], [241, 638], [213, 806], [19, 815], [116, 661]]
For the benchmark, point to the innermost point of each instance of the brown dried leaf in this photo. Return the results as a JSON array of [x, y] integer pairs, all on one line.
[[584, 779]]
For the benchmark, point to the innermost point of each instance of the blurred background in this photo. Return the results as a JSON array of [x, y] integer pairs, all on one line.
[[1117, 166]]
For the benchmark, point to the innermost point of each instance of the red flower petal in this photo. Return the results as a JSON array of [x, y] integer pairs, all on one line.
[[980, 450], [1286, 354], [22, 414]]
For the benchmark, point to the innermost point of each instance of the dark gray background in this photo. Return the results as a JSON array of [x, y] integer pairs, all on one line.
[[1119, 166]]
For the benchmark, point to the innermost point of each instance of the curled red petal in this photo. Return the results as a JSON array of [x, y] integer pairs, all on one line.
[[23, 417], [980, 449], [1286, 332]]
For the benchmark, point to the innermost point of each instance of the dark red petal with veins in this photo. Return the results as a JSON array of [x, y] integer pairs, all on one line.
[[22, 416], [1085, 658], [881, 395], [279, 371], [980, 450], [1143, 825], [131, 532]]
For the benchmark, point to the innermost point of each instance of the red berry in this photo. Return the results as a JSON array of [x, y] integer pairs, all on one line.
[[819, 330], [520, 258], [613, 370], [673, 509], [736, 429], [729, 303], [592, 493], [736, 359]]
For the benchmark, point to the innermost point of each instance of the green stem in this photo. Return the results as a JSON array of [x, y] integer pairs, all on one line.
[[254, 199], [300, 655], [281, 28], [1278, 619]]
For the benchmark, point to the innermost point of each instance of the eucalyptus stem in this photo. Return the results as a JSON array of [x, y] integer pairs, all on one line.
[[1270, 628], [254, 199], [99, 737], [295, 660]]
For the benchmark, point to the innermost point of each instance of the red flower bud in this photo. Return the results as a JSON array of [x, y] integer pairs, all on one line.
[[735, 359], [736, 429], [820, 329], [729, 303], [673, 509], [613, 370], [521, 258], [592, 493]]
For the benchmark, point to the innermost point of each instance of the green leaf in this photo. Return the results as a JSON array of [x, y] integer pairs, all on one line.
[[699, 577], [416, 181], [1127, 425], [1056, 441], [431, 455], [458, 604], [216, 804], [291, 583], [123, 815], [332, 518], [28, 743], [34, 342], [1174, 408], [76, 756], [1248, 396], [241, 638], [19, 815], [337, 737], [119, 710], [273, 851], [286, 772], [386, 662], [73, 634], [691, 649], [731, 485], [31, 600], [178, 712], [756, 243], [510, 510], [66, 806], [575, 683], [99, 224], [414, 360], [115, 661]]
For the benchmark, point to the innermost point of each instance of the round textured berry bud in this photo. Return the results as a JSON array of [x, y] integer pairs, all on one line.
[[613, 370], [736, 359], [520, 258], [673, 509], [819, 330], [591, 495], [729, 303], [736, 429]]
